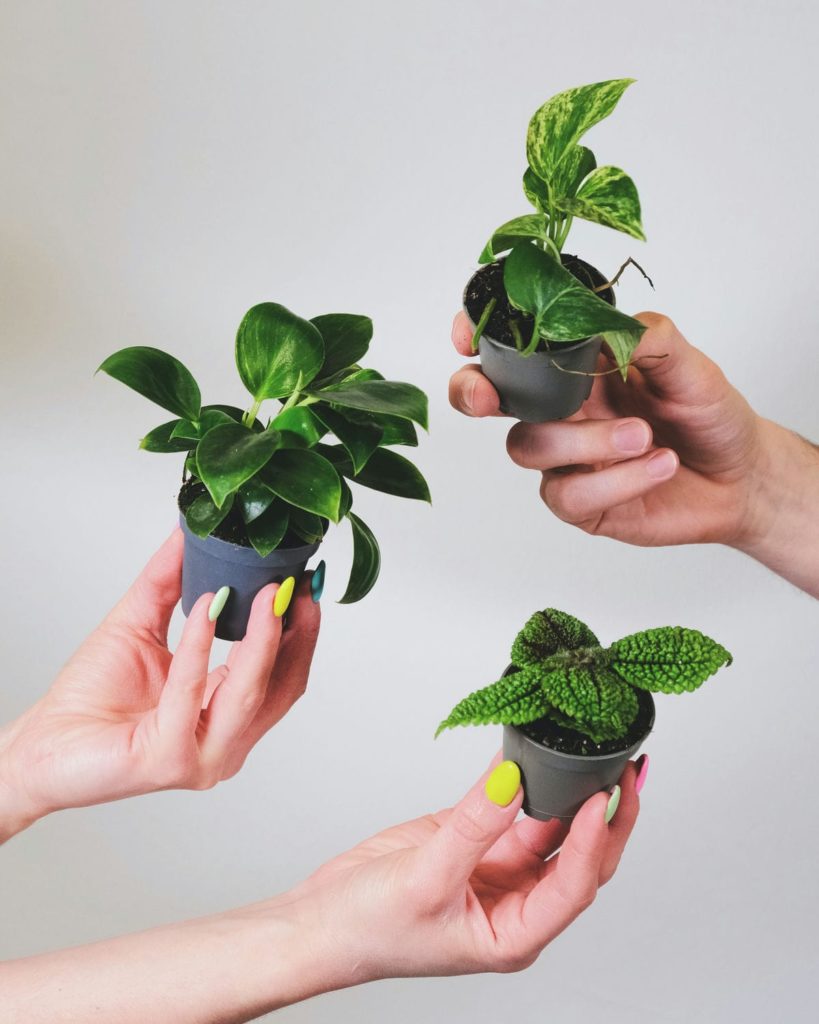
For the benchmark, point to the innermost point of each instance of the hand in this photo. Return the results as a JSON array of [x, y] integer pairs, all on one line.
[[126, 716], [465, 890]]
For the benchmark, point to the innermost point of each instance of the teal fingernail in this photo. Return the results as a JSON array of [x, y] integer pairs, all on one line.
[[613, 804], [317, 581], [218, 603]]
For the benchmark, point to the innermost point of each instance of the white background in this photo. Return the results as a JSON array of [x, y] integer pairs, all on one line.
[[167, 165]]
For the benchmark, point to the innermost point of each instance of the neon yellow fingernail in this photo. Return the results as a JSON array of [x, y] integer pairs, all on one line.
[[218, 603], [613, 804], [283, 597], [503, 783]]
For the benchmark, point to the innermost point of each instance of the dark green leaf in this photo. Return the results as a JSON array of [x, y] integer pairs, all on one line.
[[513, 700], [157, 376], [208, 419], [395, 430], [670, 659], [254, 499], [276, 351], [202, 516], [307, 525], [548, 632], [563, 119], [380, 396], [161, 439], [268, 530], [306, 480], [298, 428], [359, 440], [366, 561], [346, 502], [235, 413], [231, 454], [346, 337], [393, 474], [529, 226], [608, 197]]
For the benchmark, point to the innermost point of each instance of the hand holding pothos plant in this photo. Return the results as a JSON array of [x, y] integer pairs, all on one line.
[[562, 182], [269, 484]]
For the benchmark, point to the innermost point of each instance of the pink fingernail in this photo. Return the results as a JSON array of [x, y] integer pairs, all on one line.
[[631, 437], [642, 773], [662, 465]]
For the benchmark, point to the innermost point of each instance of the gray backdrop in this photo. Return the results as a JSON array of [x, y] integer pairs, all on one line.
[[167, 165]]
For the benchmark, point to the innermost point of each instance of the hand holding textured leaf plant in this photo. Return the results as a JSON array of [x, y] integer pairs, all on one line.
[[276, 483]]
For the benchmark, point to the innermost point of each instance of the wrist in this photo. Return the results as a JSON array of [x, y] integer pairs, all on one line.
[[17, 810]]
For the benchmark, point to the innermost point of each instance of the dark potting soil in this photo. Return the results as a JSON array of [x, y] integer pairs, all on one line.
[[232, 528], [569, 741], [487, 284]]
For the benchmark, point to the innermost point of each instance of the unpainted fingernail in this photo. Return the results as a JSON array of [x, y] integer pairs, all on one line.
[[218, 603], [503, 783], [631, 437], [661, 466], [317, 581], [469, 396], [641, 764], [284, 595], [612, 805]]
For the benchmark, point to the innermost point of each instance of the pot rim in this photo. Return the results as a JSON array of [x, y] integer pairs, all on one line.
[[239, 553]]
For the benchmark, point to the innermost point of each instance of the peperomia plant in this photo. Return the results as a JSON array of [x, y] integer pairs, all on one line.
[[563, 182], [561, 671], [278, 482]]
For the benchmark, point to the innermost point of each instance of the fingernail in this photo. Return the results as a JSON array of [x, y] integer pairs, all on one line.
[[503, 783], [613, 804], [317, 582], [642, 772], [218, 603], [631, 437], [284, 595], [661, 466]]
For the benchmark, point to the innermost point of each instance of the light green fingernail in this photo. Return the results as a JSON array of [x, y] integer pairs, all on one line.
[[613, 804], [218, 603]]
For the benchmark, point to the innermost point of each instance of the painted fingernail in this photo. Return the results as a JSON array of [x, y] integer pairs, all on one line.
[[503, 783], [641, 765], [317, 582], [218, 603], [631, 437], [613, 804], [284, 595], [661, 466]]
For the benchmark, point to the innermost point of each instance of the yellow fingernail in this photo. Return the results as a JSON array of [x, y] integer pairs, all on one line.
[[284, 595], [503, 783]]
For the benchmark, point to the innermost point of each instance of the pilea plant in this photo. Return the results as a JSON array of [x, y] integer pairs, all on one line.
[[277, 482], [560, 671], [562, 182]]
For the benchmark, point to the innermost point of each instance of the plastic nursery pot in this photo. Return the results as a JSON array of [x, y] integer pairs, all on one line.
[[557, 784], [549, 384], [210, 563]]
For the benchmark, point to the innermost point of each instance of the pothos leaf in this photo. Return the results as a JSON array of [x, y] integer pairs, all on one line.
[[671, 659], [609, 197], [529, 226], [548, 632], [366, 561], [577, 164], [622, 345], [513, 700]]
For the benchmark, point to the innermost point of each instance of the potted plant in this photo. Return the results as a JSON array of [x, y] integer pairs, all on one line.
[[539, 314], [257, 495], [574, 712]]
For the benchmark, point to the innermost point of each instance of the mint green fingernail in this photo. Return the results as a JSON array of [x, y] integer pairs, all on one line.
[[218, 603], [613, 804]]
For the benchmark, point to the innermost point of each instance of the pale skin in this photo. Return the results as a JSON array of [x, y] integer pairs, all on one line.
[[675, 455], [465, 890]]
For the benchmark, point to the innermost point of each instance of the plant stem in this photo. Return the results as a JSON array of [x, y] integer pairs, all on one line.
[[481, 325], [249, 417]]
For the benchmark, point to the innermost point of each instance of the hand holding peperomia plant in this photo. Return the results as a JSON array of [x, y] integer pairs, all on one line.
[[561, 671], [269, 484]]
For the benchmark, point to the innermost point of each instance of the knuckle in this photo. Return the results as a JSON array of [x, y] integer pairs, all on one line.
[[458, 392], [513, 961], [558, 497], [520, 445], [659, 324], [468, 827]]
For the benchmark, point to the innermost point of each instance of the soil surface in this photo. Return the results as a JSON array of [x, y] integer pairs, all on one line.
[[568, 741], [487, 284], [232, 527]]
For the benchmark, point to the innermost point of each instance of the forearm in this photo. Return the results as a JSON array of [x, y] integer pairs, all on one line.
[[224, 969], [783, 531]]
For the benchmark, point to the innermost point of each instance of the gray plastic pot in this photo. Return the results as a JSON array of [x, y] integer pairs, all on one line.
[[556, 785], [210, 563]]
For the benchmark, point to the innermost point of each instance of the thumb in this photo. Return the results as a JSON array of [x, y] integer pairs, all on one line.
[[475, 824], [671, 366], [152, 597]]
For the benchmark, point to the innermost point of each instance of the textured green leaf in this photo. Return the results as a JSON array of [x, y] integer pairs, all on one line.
[[360, 440], [671, 659], [157, 376], [393, 474], [298, 428], [162, 439], [565, 118], [307, 525], [366, 561], [529, 226], [380, 396], [202, 516], [564, 309], [254, 499], [267, 531], [346, 337], [609, 197], [276, 351], [231, 454], [548, 632], [622, 345], [305, 479], [594, 698], [513, 700]]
